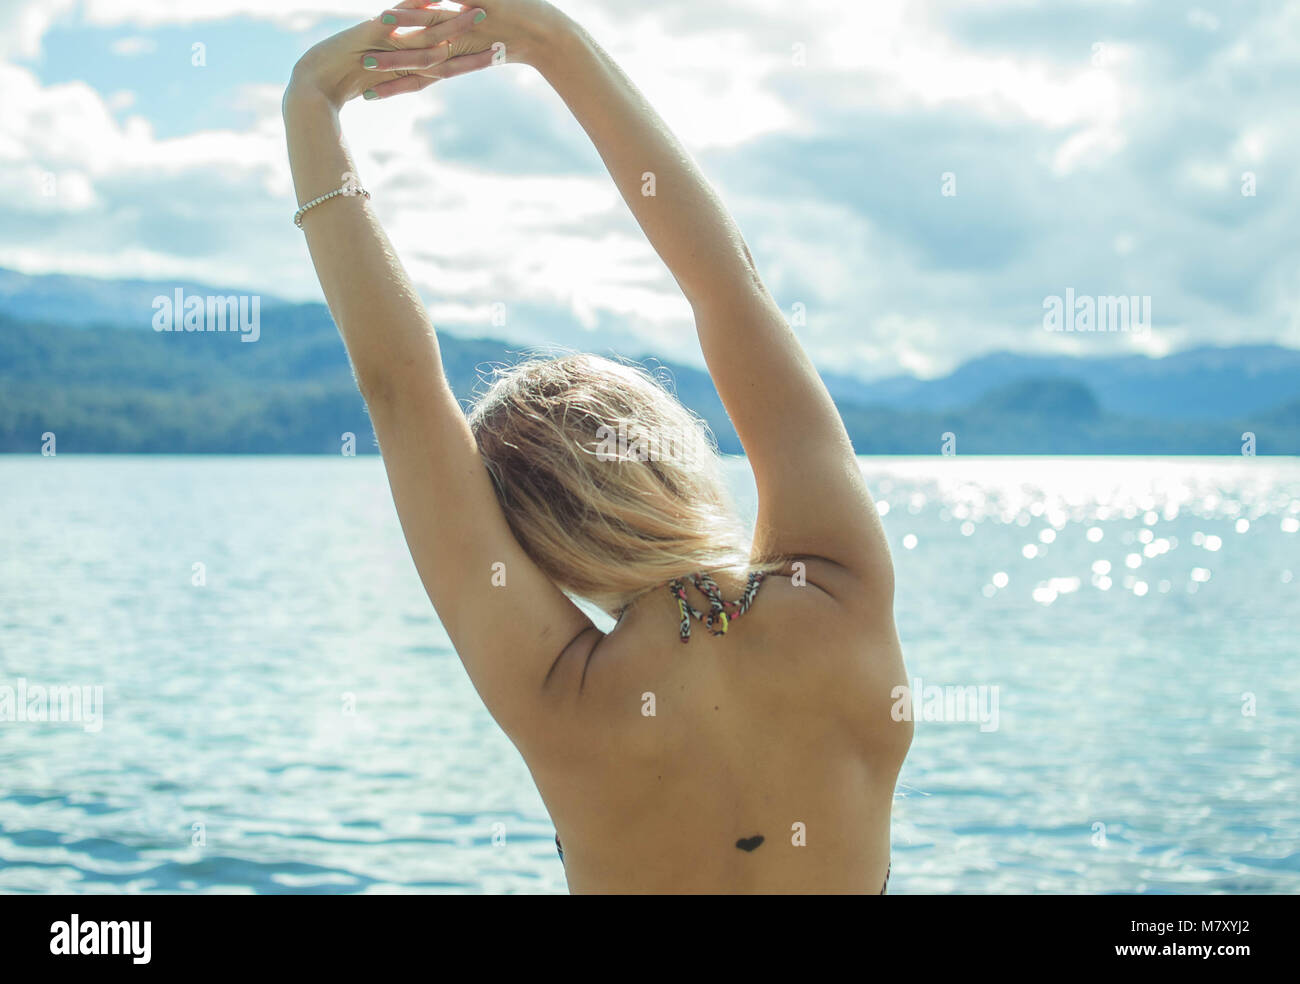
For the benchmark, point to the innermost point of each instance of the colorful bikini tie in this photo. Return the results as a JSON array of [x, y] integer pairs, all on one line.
[[719, 617]]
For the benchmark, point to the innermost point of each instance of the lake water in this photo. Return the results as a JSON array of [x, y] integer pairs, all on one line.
[[298, 723]]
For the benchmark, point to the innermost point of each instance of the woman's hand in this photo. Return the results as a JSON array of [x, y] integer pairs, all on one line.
[[521, 31], [348, 64]]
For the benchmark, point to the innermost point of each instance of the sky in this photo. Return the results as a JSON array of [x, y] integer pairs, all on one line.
[[914, 177]]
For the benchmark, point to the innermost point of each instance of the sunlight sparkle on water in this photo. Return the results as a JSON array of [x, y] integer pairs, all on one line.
[[1079, 501]]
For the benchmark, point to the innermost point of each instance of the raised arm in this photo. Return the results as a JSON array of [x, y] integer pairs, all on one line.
[[508, 622], [812, 499]]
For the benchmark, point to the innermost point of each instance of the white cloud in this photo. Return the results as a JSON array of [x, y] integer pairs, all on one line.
[[1126, 174], [145, 14], [23, 24]]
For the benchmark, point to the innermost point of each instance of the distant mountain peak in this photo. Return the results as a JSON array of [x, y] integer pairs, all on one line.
[[1056, 398]]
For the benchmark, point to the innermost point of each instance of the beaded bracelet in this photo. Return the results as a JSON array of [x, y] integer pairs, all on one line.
[[347, 189]]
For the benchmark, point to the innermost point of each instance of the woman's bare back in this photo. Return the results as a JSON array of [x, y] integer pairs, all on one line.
[[763, 760]]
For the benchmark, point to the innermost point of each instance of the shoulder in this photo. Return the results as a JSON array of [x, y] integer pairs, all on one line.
[[843, 602], [830, 645]]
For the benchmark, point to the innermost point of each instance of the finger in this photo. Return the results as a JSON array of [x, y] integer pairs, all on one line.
[[437, 20], [442, 13], [462, 64], [397, 87], [424, 37], [406, 59]]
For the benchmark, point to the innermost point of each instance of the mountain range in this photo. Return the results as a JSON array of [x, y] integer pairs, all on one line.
[[79, 358]]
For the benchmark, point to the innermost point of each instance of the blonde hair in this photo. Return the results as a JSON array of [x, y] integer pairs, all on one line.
[[609, 483]]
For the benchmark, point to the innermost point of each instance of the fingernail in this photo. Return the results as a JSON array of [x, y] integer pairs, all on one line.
[[480, 17], [370, 94], [370, 61], [388, 19]]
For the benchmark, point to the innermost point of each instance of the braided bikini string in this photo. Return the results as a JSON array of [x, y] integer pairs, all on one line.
[[718, 619]]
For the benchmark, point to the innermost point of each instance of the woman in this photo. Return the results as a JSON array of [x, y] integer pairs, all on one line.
[[762, 755]]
